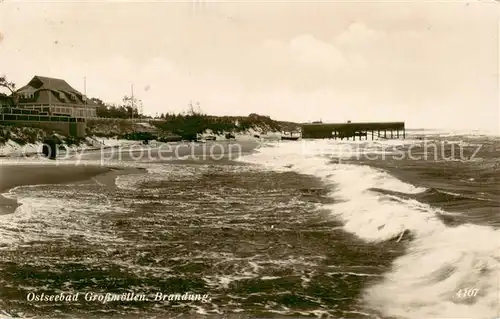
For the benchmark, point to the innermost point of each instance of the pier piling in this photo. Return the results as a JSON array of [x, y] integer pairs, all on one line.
[[346, 130]]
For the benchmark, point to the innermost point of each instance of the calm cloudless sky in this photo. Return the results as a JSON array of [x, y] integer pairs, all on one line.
[[431, 64]]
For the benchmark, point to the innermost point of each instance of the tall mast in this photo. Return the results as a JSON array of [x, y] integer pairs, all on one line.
[[132, 99], [85, 89]]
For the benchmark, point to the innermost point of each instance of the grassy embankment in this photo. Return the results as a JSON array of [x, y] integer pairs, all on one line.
[[185, 126], [23, 135]]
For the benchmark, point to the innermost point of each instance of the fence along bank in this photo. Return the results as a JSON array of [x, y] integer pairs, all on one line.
[[48, 103], [65, 124]]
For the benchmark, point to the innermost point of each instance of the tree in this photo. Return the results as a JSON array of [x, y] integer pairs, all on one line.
[[194, 110], [97, 101], [11, 86], [102, 109], [133, 105]]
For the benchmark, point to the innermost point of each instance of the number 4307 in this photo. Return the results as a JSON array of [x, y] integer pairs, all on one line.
[[467, 292]]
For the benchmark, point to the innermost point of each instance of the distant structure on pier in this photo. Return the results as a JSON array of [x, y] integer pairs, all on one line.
[[384, 130]]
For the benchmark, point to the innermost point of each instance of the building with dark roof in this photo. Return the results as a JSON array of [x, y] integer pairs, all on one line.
[[52, 96]]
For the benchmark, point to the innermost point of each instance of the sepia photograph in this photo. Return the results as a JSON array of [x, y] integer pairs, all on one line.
[[254, 159]]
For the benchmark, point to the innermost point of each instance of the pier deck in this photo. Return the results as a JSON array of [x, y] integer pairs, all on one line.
[[387, 130]]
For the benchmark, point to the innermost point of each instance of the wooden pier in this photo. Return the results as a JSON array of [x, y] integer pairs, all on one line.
[[384, 130]]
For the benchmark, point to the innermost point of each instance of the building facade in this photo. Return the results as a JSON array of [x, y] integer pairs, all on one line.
[[5, 101], [50, 96]]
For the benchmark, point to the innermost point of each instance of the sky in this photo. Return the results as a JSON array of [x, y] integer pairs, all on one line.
[[430, 64]]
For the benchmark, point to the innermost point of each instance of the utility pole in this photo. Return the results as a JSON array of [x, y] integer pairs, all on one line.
[[85, 95], [132, 100]]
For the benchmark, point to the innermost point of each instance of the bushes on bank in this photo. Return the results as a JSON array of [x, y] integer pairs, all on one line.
[[21, 135], [192, 124]]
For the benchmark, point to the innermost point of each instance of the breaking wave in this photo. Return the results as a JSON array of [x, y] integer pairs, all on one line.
[[441, 261]]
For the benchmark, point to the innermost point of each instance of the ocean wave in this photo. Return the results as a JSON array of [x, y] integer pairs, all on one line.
[[43, 215], [453, 132], [441, 261], [432, 279]]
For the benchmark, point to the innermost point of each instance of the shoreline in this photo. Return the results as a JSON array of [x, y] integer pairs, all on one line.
[[14, 155], [12, 176], [119, 143], [16, 174]]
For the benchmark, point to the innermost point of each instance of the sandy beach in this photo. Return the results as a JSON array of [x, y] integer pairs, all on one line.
[[38, 172], [186, 222], [18, 175], [12, 176], [166, 152]]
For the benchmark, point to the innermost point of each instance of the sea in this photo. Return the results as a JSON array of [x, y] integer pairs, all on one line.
[[291, 229]]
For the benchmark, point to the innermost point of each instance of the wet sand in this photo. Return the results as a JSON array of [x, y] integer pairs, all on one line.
[[37, 174], [19, 175], [167, 152]]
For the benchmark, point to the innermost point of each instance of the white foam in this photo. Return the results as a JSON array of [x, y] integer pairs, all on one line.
[[452, 132], [417, 286], [45, 215], [369, 215], [425, 283], [6, 315], [157, 173]]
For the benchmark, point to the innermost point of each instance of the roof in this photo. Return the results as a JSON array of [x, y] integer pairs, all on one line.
[[53, 84], [42, 82], [45, 97], [51, 90]]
